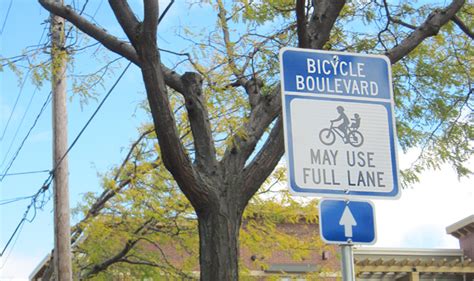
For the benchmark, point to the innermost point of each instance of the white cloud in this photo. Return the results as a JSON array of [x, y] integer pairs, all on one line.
[[41, 136], [15, 265], [420, 217]]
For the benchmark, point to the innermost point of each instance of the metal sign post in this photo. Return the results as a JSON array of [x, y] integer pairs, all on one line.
[[348, 273]]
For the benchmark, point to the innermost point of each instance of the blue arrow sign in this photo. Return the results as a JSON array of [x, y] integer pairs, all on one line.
[[344, 221]]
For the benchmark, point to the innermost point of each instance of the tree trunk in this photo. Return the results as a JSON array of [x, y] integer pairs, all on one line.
[[219, 241]]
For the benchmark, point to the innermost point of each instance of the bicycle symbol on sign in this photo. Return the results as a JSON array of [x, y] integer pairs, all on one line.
[[349, 133]]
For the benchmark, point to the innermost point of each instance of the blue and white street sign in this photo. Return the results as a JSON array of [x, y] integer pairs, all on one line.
[[339, 124], [342, 221]]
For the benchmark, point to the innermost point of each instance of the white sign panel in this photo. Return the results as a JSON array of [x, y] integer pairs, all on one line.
[[339, 125]]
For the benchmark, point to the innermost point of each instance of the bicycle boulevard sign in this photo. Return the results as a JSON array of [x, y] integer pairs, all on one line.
[[339, 124]]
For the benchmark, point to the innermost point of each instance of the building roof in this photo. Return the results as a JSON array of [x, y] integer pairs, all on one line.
[[374, 263], [462, 227], [40, 268], [411, 252]]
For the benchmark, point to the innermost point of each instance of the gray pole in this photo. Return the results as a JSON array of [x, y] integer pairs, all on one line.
[[348, 273], [62, 232]]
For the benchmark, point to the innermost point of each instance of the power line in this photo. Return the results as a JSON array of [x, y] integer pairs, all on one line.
[[13, 200], [33, 203], [19, 127], [84, 7], [106, 96], [46, 102], [97, 10], [21, 90], [15, 104], [13, 245], [166, 10], [92, 116], [50, 178], [26, 173], [6, 17], [23, 117]]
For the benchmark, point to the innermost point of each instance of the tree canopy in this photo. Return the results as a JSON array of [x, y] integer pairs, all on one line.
[[146, 227]]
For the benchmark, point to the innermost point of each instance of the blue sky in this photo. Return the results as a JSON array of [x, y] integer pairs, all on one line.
[[102, 145], [416, 220]]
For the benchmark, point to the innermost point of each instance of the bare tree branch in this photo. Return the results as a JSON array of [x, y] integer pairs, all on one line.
[[266, 110], [261, 116], [394, 20], [199, 120], [109, 41], [430, 27], [114, 259], [257, 46], [151, 12], [462, 26], [257, 171], [173, 152], [109, 193], [303, 41], [163, 255], [126, 19], [324, 16], [228, 44], [117, 257], [402, 23]]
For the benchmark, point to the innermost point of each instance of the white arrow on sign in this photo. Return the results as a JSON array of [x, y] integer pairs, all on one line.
[[348, 221]]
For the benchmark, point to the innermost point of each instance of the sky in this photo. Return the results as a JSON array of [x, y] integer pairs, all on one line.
[[418, 219]]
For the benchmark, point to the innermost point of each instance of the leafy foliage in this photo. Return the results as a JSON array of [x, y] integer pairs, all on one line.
[[432, 85], [149, 213]]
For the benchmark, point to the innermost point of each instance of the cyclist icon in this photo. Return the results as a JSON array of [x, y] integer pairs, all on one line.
[[348, 132]]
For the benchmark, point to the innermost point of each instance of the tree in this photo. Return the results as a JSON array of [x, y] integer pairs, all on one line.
[[147, 228], [232, 96]]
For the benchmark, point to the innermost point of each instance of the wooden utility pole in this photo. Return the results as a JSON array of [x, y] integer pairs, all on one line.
[[62, 232]]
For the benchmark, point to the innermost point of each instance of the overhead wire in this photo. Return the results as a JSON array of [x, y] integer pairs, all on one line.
[[19, 127], [6, 17], [106, 96], [23, 117], [22, 85], [13, 200], [21, 120], [43, 107], [50, 178], [33, 203], [97, 10], [26, 173], [11, 249], [92, 116], [21, 90], [44, 187]]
